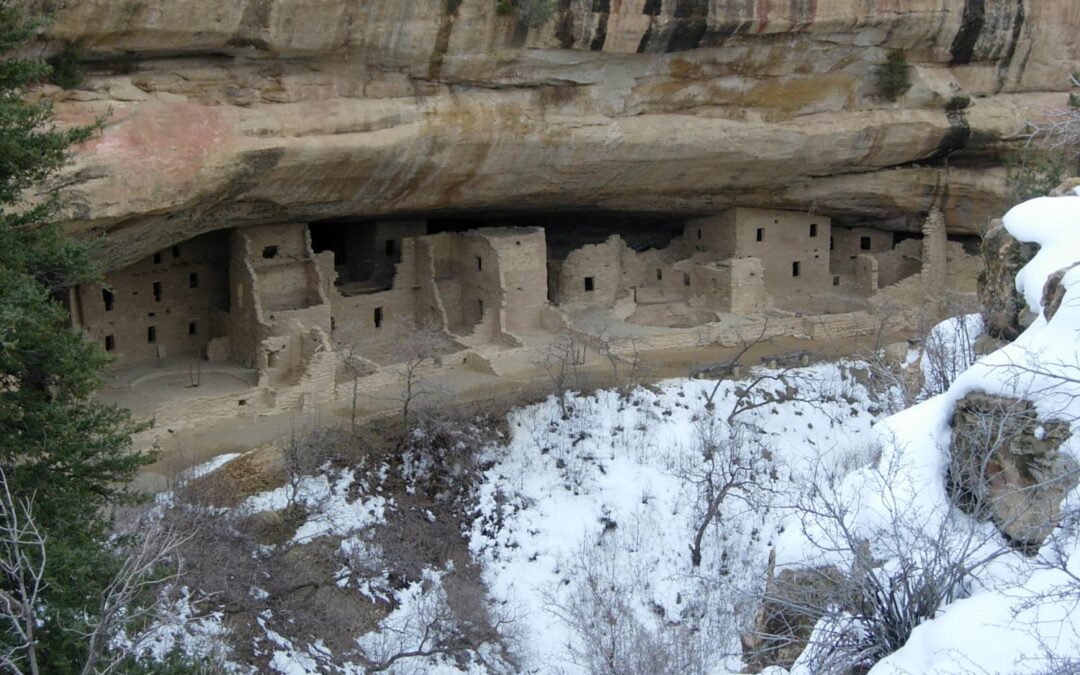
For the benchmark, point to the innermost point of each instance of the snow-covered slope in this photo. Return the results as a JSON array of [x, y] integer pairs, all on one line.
[[1023, 613], [586, 521]]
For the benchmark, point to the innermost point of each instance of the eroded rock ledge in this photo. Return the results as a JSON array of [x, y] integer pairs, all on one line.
[[264, 111]]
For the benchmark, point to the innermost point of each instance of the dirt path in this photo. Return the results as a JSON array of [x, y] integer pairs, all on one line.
[[190, 447]]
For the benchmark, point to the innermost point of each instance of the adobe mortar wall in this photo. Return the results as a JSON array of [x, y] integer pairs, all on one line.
[[520, 259], [785, 239], [135, 309], [847, 244]]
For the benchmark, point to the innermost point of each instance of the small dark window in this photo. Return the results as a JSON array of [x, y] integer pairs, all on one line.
[[157, 291], [193, 280], [157, 258], [864, 243], [192, 328], [151, 334], [377, 317], [269, 252], [659, 274], [479, 263], [832, 244], [588, 284], [480, 307], [835, 281], [107, 298], [176, 251], [760, 233], [242, 401], [699, 233], [813, 229], [685, 279], [795, 269], [110, 343], [389, 248]]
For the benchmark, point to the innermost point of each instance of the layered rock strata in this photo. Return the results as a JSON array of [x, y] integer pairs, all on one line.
[[264, 111]]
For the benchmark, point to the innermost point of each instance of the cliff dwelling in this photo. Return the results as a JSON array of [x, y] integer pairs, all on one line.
[[257, 319]]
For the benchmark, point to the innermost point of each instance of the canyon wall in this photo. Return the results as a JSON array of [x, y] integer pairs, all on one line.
[[222, 114]]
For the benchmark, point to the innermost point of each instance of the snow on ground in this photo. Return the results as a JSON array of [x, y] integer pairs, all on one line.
[[592, 516], [327, 499], [586, 518], [1020, 610]]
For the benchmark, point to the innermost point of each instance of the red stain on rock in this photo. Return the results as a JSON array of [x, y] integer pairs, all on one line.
[[159, 142]]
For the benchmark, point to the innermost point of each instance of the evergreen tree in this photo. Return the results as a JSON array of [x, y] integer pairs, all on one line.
[[68, 452]]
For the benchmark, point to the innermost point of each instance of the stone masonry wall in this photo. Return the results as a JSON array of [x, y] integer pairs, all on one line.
[[175, 300]]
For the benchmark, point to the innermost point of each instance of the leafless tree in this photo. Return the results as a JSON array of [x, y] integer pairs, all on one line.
[[731, 364], [728, 464], [132, 599], [417, 348], [1059, 126], [947, 351], [128, 604], [355, 365], [22, 562], [563, 360]]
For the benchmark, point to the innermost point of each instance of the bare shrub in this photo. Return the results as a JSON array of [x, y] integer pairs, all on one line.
[[611, 636], [563, 360], [893, 577]]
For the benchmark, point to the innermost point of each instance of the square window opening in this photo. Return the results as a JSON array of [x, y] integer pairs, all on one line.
[[110, 343], [760, 234], [795, 269], [390, 248], [685, 279], [813, 229], [864, 243], [269, 252], [835, 281], [176, 251], [589, 284], [192, 328], [157, 258], [151, 334]]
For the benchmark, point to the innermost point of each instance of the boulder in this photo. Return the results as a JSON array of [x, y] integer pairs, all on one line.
[[1054, 292], [1005, 312], [1005, 465]]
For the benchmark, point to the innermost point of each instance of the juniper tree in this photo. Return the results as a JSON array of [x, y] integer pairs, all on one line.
[[59, 447]]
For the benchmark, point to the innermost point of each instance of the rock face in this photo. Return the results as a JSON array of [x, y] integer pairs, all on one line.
[[1004, 310], [1054, 292], [1005, 465], [259, 111], [795, 599]]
